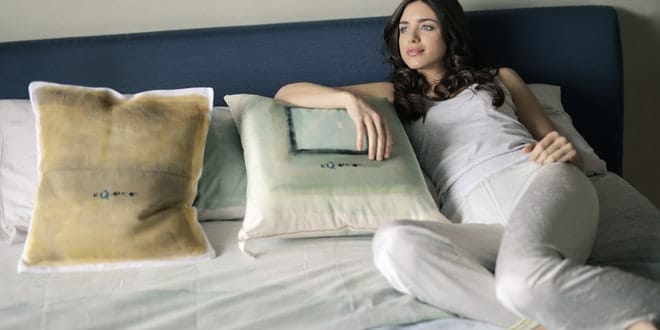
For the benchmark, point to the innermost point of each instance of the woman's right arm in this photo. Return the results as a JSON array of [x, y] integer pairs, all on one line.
[[366, 119]]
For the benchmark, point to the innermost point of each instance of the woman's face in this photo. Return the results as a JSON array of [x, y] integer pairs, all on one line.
[[421, 43]]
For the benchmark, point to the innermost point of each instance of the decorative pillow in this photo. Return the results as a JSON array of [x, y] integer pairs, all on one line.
[[18, 168], [549, 96], [220, 192], [117, 178], [302, 183], [221, 189]]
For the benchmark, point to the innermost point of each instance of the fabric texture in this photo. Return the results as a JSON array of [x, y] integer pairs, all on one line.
[[117, 178], [447, 155], [318, 283], [221, 188], [629, 229], [220, 192], [547, 240], [449, 146], [18, 169], [445, 265], [548, 236], [321, 193]]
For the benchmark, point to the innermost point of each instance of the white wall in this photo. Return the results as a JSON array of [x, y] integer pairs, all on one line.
[[640, 31], [33, 19]]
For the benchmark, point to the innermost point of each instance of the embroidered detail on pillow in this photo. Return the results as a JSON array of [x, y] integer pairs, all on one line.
[[117, 178], [322, 189]]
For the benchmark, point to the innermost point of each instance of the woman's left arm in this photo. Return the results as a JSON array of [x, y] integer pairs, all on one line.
[[552, 146]]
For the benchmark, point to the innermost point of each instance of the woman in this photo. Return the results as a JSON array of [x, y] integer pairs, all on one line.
[[503, 172]]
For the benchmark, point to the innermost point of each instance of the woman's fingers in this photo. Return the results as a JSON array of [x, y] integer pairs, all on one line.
[[384, 142], [389, 141], [383, 137], [536, 154], [552, 148], [378, 135], [371, 125], [372, 135], [564, 154], [559, 151], [360, 128]]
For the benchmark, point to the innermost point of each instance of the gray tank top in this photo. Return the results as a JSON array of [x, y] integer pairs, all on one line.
[[466, 139]]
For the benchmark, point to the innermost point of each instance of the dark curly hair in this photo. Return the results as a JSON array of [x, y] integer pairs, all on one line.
[[411, 89]]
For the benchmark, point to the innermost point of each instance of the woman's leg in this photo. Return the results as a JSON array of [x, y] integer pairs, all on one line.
[[446, 265], [540, 267]]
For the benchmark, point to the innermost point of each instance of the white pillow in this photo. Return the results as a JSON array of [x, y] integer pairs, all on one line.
[[549, 96], [305, 178], [18, 168]]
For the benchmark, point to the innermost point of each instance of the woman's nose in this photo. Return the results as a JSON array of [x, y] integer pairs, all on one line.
[[413, 37]]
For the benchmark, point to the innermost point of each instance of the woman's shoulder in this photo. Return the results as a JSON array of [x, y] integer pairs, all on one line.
[[508, 76]]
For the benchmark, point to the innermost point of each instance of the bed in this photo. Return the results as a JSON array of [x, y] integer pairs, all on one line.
[[321, 282]]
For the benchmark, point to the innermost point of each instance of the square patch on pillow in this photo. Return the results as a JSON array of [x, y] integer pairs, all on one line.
[[117, 178], [305, 178]]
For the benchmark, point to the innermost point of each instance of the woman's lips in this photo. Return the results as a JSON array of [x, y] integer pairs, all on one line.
[[414, 51]]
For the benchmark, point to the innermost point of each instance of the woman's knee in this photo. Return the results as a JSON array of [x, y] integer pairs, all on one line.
[[400, 246], [513, 290], [523, 285], [397, 242]]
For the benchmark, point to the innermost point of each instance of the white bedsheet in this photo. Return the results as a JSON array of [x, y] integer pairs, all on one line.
[[321, 283], [294, 284]]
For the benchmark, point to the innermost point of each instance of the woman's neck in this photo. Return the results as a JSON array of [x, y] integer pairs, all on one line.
[[433, 78], [431, 94]]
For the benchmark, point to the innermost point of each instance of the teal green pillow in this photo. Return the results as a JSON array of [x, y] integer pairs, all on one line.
[[221, 188], [307, 181]]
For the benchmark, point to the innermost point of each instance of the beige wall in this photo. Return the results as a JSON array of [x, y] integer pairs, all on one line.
[[640, 30]]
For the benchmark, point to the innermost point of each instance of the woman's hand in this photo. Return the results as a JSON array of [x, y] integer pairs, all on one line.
[[369, 121], [553, 147]]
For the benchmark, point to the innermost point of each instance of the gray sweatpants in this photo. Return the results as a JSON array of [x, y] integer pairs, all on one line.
[[519, 252]]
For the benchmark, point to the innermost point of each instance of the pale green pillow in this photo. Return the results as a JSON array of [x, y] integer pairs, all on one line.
[[325, 188], [117, 178], [221, 189]]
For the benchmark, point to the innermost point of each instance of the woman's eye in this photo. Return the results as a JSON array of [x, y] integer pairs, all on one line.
[[403, 29], [427, 27]]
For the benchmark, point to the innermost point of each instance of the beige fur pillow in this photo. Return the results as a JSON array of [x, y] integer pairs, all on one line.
[[117, 177]]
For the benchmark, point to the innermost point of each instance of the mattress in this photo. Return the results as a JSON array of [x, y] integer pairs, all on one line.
[[319, 283]]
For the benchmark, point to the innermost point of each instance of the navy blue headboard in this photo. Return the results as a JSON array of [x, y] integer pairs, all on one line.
[[575, 47]]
